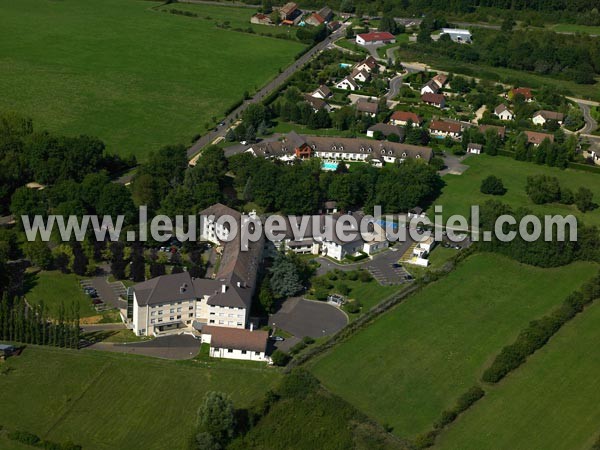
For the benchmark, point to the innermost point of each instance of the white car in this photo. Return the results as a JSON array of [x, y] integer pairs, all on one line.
[[243, 142]]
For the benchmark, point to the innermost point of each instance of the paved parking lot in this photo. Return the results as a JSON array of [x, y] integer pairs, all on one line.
[[107, 292], [383, 270], [302, 317]]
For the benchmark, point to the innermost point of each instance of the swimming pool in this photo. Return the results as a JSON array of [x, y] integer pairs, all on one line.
[[329, 165], [345, 65]]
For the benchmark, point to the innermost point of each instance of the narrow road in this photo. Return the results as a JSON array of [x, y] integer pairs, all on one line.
[[395, 86], [590, 123], [264, 92]]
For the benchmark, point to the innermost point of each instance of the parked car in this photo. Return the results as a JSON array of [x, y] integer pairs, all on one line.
[[97, 301], [277, 338], [396, 266]]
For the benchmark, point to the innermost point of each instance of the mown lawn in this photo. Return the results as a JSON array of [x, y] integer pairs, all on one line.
[[107, 400], [552, 402], [462, 191], [53, 287], [133, 76], [415, 361]]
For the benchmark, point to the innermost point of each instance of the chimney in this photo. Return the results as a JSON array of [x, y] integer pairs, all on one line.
[[223, 288]]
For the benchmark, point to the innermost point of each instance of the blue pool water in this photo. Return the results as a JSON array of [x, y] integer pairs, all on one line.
[[329, 166], [345, 65]]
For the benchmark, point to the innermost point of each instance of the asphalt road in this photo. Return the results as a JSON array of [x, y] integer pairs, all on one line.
[[169, 347], [590, 122], [302, 317]]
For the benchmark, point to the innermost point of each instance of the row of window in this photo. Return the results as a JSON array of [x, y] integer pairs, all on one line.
[[171, 319], [244, 352]]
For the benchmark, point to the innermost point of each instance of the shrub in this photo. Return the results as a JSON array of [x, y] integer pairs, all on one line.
[[353, 307], [365, 276], [280, 358], [493, 186], [297, 384], [24, 437], [426, 440]]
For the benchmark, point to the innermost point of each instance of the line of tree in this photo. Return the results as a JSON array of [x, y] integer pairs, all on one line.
[[575, 58], [538, 332], [542, 253], [21, 322]]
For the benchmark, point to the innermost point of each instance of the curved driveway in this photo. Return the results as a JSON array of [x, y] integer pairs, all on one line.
[[302, 317]]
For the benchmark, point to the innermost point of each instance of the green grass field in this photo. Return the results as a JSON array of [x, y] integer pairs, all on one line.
[[237, 17], [53, 287], [416, 360], [135, 77], [549, 403], [108, 400], [462, 191], [571, 28]]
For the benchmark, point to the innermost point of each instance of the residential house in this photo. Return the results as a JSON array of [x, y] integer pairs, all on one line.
[[375, 37], [317, 104], [543, 116], [503, 113], [437, 100], [290, 14], [6, 350], [431, 87], [360, 75], [386, 130], [329, 207], [535, 138], [525, 92], [333, 25], [323, 15], [367, 107], [401, 118], [500, 130], [368, 65], [474, 149], [261, 19], [445, 129], [322, 92], [440, 80], [348, 84], [232, 343]]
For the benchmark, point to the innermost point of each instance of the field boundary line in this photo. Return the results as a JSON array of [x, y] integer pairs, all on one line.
[[76, 400]]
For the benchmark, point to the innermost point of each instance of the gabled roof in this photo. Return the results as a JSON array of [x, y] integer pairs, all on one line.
[[324, 90], [550, 115], [366, 106], [237, 338], [501, 130], [405, 116], [315, 102], [448, 127], [387, 129], [370, 62], [533, 137], [325, 13], [288, 8], [431, 85], [437, 99], [350, 81], [502, 108], [355, 73], [525, 92], [440, 79], [475, 146]]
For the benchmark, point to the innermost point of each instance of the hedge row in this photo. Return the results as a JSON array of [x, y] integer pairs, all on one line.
[[584, 167], [464, 402], [27, 438], [538, 332]]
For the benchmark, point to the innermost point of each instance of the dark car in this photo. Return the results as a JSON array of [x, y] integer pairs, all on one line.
[[97, 301], [396, 266]]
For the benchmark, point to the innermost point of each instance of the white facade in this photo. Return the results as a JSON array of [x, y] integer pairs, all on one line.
[[347, 85], [427, 89], [505, 115]]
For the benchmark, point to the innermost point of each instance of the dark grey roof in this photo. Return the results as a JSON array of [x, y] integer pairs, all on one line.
[[388, 129]]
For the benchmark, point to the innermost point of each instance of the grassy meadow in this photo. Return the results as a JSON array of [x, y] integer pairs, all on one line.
[[551, 402], [416, 360], [107, 400], [121, 70], [53, 287], [462, 191]]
